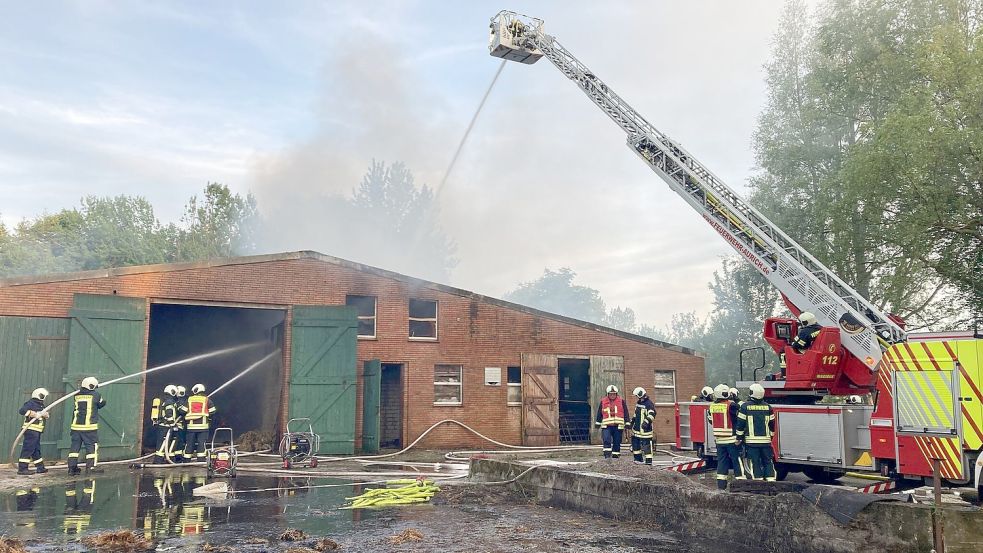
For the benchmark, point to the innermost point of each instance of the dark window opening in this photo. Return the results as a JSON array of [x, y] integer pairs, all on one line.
[[366, 306], [423, 319]]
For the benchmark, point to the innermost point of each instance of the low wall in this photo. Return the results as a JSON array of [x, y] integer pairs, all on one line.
[[745, 522]]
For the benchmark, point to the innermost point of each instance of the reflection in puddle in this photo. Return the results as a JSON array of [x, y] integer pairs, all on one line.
[[162, 505]]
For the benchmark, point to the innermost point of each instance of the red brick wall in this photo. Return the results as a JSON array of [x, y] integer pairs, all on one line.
[[473, 333]]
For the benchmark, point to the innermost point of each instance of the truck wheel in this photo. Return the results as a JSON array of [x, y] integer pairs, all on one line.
[[820, 475]]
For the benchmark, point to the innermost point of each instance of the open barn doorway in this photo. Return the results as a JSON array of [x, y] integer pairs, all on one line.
[[255, 338], [575, 407]]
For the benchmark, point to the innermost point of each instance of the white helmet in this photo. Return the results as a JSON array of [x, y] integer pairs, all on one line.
[[707, 392], [612, 389], [807, 318], [197, 388], [90, 383], [721, 391], [733, 393], [181, 391], [40, 393], [757, 391], [855, 400], [170, 390], [639, 392]]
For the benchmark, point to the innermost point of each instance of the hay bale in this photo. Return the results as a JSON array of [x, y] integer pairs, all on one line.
[[293, 534], [11, 545], [410, 534], [254, 440], [326, 544], [118, 541]]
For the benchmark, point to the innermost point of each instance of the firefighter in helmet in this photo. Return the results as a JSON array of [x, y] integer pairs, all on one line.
[[722, 416], [755, 427], [706, 394], [611, 414], [641, 427], [164, 414], [85, 426], [34, 419], [808, 332], [180, 426], [197, 412]]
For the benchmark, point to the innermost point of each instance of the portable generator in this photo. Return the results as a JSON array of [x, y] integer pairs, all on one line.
[[221, 459], [299, 445]]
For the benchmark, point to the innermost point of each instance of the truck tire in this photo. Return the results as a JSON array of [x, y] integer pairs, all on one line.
[[820, 475]]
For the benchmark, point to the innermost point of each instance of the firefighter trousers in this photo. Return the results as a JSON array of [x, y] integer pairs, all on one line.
[[611, 437], [195, 448], [760, 462], [165, 444], [30, 451], [90, 440], [727, 459], [642, 447], [180, 436]]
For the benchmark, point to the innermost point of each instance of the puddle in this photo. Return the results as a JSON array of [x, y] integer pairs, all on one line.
[[162, 506]]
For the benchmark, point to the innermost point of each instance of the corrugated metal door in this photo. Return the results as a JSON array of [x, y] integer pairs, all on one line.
[[540, 405], [33, 354], [106, 341], [323, 373], [604, 371], [371, 401]]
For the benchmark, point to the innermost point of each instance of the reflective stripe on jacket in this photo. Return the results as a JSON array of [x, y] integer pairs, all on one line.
[[756, 422], [29, 410], [86, 414], [641, 422], [197, 412], [721, 415], [611, 412]]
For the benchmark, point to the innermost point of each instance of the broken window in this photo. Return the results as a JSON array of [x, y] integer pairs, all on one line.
[[664, 390], [447, 384], [515, 386], [366, 314], [423, 319]]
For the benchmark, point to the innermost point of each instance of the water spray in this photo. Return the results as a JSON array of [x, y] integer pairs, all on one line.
[[243, 373], [199, 357]]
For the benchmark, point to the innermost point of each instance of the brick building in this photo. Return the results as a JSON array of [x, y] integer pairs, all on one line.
[[372, 356]]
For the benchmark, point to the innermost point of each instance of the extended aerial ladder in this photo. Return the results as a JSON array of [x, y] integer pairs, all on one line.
[[805, 283]]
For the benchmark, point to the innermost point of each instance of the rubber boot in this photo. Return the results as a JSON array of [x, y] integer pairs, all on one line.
[[40, 469]]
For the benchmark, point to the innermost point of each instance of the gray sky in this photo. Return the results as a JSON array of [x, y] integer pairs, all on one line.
[[157, 99]]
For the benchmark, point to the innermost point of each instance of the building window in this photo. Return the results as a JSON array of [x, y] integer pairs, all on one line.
[[423, 319], [515, 386], [493, 376], [664, 389], [366, 314], [447, 386]]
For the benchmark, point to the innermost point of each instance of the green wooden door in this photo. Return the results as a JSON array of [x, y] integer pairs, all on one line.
[[371, 403], [106, 340], [323, 373]]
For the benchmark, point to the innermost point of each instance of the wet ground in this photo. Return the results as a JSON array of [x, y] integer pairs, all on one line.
[[52, 514]]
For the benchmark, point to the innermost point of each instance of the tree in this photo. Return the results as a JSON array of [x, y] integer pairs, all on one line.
[[555, 292], [221, 224]]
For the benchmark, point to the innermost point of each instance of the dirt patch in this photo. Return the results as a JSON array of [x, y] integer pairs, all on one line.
[[118, 541], [625, 467], [11, 545], [300, 550], [410, 534], [466, 494], [255, 541], [326, 544], [217, 548], [292, 534]]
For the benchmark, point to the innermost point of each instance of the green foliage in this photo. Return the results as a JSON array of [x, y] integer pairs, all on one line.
[[121, 231]]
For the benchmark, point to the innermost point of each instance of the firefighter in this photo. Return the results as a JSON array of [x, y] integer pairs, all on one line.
[[165, 419], [808, 332], [85, 426], [30, 452], [722, 416], [641, 427], [197, 412], [610, 419], [180, 426], [706, 394], [755, 427]]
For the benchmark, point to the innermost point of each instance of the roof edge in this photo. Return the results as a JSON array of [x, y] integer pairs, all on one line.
[[309, 254]]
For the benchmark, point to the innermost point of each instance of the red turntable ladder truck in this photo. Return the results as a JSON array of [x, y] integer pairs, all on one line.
[[927, 391]]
